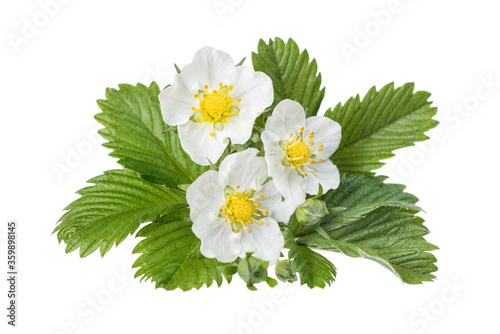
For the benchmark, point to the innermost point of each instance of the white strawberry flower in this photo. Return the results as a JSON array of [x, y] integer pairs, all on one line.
[[235, 212], [297, 151], [212, 100]]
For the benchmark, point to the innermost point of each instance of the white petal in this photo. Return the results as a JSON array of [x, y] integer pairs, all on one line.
[[239, 127], [197, 142], [287, 118], [286, 179], [243, 169], [288, 182], [327, 132], [266, 241], [278, 209], [255, 89], [217, 238], [209, 67], [326, 174], [205, 194], [273, 152], [176, 102]]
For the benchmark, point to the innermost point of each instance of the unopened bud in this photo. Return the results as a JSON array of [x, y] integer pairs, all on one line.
[[311, 212], [284, 271], [252, 270]]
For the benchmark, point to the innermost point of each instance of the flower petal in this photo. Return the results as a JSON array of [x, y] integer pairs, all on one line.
[[273, 152], [197, 142], [287, 118], [266, 241], [176, 102], [255, 89], [239, 127], [327, 132], [217, 238], [326, 174], [205, 194], [285, 179], [209, 67], [243, 169], [288, 183], [278, 209]]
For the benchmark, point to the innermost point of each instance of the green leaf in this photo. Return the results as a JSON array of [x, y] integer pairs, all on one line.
[[385, 235], [294, 76], [111, 209], [357, 195], [170, 255], [382, 122], [141, 140], [314, 269], [377, 222]]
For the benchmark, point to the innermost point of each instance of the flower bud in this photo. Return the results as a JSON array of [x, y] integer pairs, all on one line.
[[252, 270], [311, 212], [284, 271]]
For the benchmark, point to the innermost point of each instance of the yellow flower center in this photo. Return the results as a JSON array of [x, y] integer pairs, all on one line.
[[298, 152], [240, 207], [215, 107]]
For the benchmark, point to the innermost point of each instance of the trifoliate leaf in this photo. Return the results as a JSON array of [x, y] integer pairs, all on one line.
[[170, 255], [137, 135], [378, 222], [382, 122], [113, 208], [314, 269], [293, 76], [387, 237]]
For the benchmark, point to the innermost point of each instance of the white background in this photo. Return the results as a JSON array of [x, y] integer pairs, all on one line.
[[49, 84]]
